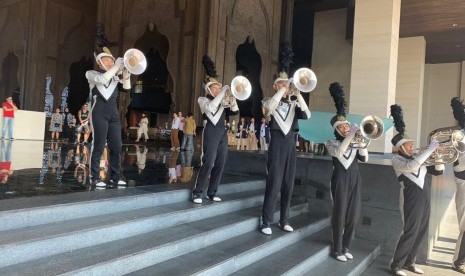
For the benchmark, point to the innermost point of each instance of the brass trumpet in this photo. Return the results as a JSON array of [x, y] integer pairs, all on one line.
[[371, 128]]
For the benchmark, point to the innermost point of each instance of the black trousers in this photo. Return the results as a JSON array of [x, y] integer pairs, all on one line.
[[280, 178], [346, 192], [416, 211], [213, 159], [106, 127], [461, 252]]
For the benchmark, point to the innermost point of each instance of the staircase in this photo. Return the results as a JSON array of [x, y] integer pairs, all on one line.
[[163, 233]]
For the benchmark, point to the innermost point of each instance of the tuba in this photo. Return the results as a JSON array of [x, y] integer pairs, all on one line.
[[240, 89], [451, 145], [371, 128], [134, 61]]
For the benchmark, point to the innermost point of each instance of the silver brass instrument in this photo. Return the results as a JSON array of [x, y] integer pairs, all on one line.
[[451, 145], [240, 88], [371, 128], [304, 80], [134, 61]]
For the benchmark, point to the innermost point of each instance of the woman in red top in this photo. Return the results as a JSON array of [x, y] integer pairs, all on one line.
[[9, 109]]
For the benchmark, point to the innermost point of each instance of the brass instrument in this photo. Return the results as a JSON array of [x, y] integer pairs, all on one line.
[[304, 79], [134, 61], [240, 89], [451, 145], [371, 128]]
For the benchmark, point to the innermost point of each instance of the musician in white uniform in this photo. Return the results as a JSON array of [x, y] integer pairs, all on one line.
[[214, 136], [459, 171], [284, 112], [105, 119], [414, 195], [346, 183]]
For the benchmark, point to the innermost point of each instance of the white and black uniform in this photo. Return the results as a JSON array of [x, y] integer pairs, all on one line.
[[105, 120], [281, 163], [459, 171], [346, 190], [414, 205], [214, 143]]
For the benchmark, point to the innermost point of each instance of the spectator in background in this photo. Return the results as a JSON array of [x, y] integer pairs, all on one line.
[[56, 124], [181, 127], [83, 117], [175, 132], [264, 134], [189, 133], [252, 135], [9, 109], [143, 128], [69, 122]]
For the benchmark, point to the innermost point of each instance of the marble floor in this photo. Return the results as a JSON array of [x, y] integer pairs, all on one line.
[[33, 168]]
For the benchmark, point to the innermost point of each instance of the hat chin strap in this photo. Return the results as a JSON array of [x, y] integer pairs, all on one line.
[[404, 150], [101, 64]]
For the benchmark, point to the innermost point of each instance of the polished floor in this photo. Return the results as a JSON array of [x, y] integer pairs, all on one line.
[[32, 168]]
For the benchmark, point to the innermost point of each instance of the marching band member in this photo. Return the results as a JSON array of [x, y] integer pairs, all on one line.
[[414, 195], [104, 112], [214, 136], [459, 171], [346, 183], [284, 113]]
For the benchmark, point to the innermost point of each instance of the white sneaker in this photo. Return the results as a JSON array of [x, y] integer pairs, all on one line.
[[341, 258], [197, 199], [414, 269], [287, 228], [348, 255], [266, 231], [100, 184], [119, 182], [398, 272], [178, 149], [214, 198], [172, 149]]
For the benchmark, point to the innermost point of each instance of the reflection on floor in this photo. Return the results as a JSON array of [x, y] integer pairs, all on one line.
[[30, 168]]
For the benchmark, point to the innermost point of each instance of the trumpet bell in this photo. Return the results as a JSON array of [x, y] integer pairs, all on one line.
[[241, 88], [304, 79], [135, 61], [372, 127]]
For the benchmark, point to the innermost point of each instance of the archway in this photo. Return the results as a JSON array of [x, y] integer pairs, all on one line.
[[9, 85], [156, 81], [249, 64]]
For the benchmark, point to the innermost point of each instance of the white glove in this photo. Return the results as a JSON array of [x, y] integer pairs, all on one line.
[[433, 145], [119, 62], [126, 74], [353, 129], [225, 88]]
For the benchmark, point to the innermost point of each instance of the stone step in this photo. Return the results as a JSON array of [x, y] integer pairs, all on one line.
[[231, 255], [137, 252], [365, 252], [294, 259], [19, 218], [46, 240]]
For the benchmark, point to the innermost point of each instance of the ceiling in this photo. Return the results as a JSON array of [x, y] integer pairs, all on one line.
[[441, 22]]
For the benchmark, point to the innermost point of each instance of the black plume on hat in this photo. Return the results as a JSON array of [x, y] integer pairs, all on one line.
[[336, 91], [209, 66], [458, 110], [285, 57], [102, 40], [398, 116]]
